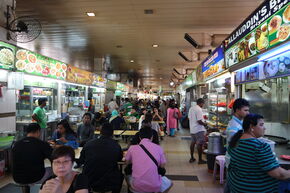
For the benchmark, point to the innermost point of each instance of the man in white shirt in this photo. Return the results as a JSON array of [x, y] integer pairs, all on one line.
[[197, 130], [112, 105]]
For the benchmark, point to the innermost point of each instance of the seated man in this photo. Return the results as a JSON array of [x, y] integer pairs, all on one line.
[[28, 157], [100, 158], [145, 177], [86, 130], [116, 120], [98, 121]]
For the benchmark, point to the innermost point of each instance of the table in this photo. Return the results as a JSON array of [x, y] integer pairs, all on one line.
[[160, 122], [121, 132], [282, 150]]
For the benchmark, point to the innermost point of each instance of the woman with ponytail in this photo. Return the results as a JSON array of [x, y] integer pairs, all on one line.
[[253, 166]]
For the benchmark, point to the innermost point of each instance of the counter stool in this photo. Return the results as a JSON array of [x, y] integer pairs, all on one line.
[[219, 160]]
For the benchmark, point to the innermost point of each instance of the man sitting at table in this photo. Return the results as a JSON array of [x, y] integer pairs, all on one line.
[[86, 130], [100, 158], [116, 120], [28, 157]]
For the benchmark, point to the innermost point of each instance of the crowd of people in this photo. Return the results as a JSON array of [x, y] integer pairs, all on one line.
[[99, 156], [250, 162]]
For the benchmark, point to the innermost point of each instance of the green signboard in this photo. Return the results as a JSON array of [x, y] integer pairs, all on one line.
[[36, 64], [7, 56], [269, 33]]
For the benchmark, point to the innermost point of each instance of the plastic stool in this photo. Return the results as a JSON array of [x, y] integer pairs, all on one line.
[[219, 160]]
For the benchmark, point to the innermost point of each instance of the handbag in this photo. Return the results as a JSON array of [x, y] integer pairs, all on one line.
[[176, 115], [161, 170]]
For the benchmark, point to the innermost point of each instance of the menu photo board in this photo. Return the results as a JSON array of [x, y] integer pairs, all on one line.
[[267, 27], [79, 76], [36, 64], [7, 56], [214, 64], [99, 81], [274, 67], [120, 86], [111, 85]]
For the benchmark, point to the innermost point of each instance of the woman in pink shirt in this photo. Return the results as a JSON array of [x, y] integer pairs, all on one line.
[[172, 116]]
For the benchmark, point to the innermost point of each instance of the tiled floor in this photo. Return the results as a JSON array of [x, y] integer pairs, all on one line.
[[177, 154]]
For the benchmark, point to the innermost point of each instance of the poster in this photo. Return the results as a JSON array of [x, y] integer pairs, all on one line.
[[99, 81]]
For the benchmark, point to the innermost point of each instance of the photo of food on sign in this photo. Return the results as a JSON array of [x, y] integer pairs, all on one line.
[[6, 56], [276, 67], [40, 65]]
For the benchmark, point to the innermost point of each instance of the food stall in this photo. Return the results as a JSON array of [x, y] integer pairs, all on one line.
[[110, 91], [219, 95], [97, 93], [41, 78], [74, 93], [260, 60]]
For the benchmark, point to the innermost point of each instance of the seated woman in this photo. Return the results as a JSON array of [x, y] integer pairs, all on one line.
[[64, 135], [116, 120], [157, 115], [64, 180], [253, 167]]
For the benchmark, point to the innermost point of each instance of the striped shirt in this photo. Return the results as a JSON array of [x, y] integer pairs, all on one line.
[[251, 159]]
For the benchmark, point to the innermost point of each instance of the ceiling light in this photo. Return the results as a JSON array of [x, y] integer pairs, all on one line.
[[148, 11], [131, 61], [91, 14], [160, 78], [171, 83], [155, 45], [119, 46], [191, 40]]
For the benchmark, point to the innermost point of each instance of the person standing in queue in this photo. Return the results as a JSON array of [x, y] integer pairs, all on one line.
[[65, 180], [197, 130], [172, 116], [39, 115], [28, 157], [253, 166]]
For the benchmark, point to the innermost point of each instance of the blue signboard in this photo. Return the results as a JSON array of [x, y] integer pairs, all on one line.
[[214, 64]]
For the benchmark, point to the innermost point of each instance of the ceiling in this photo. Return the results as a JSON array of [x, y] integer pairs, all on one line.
[[72, 37]]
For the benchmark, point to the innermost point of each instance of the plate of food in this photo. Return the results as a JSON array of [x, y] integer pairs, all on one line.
[[271, 68], [20, 65], [262, 41], [38, 68], [285, 157], [286, 15], [21, 54], [64, 67], [31, 58], [252, 46], [283, 32], [275, 23], [6, 56], [282, 67], [53, 71], [29, 67]]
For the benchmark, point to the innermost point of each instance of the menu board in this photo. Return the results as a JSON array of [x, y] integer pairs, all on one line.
[[99, 81], [199, 75], [111, 85], [7, 56], [79, 76], [120, 86], [36, 64], [271, 30], [275, 67], [214, 64]]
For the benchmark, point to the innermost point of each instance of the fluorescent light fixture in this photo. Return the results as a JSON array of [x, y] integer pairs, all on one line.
[[91, 14], [275, 52], [184, 57], [131, 61], [155, 45]]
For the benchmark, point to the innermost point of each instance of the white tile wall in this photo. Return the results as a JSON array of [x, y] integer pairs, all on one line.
[[278, 129]]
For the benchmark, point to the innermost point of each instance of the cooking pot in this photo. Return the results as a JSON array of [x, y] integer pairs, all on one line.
[[74, 118]]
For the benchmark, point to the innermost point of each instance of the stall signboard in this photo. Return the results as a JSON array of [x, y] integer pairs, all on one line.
[[214, 63], [120, 86], [79, 76], [274, 67], [37, 64], [99, 81], [7, 56], [199, 75], [266, 27], [111, 85]]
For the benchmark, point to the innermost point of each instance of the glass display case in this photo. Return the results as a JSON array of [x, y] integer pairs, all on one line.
[[27, 101], [73, 98]]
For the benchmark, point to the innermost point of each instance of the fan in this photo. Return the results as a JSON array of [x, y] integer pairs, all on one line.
[[23, 29]]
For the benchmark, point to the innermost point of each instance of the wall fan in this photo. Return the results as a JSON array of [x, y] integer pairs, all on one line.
[[22, 29]]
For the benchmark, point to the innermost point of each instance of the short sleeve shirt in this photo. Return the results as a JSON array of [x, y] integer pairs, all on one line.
[[40, 113], [195, 114]]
